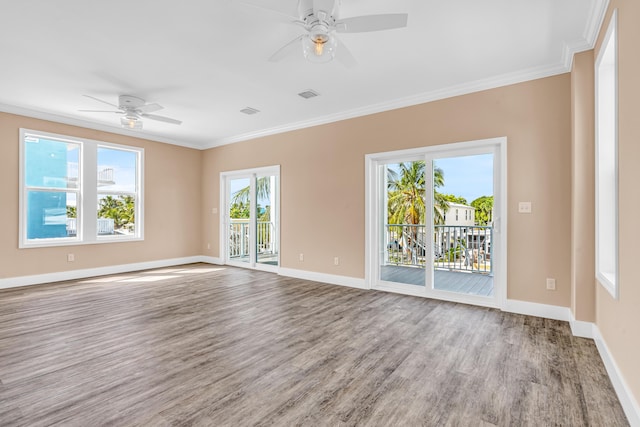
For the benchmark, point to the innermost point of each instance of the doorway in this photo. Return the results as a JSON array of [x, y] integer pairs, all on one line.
[[250, 226], [435, 221]]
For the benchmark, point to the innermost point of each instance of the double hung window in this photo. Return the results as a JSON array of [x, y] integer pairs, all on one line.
[[76, 191]]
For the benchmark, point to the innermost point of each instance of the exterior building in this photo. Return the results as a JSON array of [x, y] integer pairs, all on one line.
[[459, 214]]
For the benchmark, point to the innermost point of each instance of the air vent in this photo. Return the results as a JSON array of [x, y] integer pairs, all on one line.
[[249, 111], [308, 94]]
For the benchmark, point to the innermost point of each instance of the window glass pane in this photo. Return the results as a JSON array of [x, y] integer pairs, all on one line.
[[51, 163], [117, 170], [116, 215], [51, 214]]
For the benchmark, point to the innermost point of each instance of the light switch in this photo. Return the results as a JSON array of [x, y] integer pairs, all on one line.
[[524, 207]]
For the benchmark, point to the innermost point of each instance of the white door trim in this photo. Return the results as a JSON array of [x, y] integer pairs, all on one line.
[[373, 164], [225, 178]]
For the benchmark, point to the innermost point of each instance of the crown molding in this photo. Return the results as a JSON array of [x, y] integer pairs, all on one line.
[[58, 118], [449, 92], [564, 65], [594, 23]]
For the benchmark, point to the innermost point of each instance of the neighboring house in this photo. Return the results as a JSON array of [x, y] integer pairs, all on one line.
[[459, 214]]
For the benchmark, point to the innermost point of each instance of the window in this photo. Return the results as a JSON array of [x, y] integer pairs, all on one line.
[[77, 191], [606, 78]]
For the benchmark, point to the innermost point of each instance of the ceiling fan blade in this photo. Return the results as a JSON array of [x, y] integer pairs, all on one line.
[[344, 55], [286, 49], [100, 100], [150, 108], [363, 24], [284, 13], [101, 111], [327, 6], [161, 118]]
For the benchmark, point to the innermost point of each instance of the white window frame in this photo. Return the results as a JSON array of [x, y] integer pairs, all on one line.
[[606, 131], [87, 199]]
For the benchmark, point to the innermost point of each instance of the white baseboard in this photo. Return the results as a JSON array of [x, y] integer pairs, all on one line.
[[352, 282], [211, 260], [629, 404], [581, 329], [539, 310], [14, 282]]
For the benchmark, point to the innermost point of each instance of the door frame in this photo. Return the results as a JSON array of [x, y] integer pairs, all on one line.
[[225, 178], [373, 214]]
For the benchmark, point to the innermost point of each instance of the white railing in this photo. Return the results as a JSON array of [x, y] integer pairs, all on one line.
[[239, 233], [105, 176], [455, 247], [105, 226]]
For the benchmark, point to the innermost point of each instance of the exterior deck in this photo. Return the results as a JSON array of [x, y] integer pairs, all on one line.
[[452, 281]]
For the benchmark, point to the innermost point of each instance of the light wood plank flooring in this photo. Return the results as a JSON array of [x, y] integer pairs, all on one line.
[[203, 345]]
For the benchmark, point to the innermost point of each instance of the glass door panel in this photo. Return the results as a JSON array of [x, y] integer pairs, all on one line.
[[250, 224], [266, 224], [463, 232], [239, 215], [403, 236]]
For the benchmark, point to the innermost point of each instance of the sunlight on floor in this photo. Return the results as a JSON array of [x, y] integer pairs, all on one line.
[[153, 275]]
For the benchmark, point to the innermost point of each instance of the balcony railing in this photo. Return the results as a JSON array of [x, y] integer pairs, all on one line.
[[239, 233], [105, 226], [455, 247]]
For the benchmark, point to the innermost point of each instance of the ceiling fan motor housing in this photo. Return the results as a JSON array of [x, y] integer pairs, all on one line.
[[127, 102]]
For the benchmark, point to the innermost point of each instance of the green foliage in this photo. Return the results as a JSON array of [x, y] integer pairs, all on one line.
[[72, 212], [239, 210], [241, 200], [120, 208], [406, 194], [455, 199], [484, 208]]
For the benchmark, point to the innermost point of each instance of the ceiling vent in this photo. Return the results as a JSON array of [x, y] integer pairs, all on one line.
[[308, 94], [249, 110]]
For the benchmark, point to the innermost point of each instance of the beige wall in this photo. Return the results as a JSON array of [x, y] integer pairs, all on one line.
[[322, 201], [583, 189], [172, 206], [619, 320]]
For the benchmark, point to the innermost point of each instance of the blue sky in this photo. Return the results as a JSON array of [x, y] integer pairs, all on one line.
[[470, 176]]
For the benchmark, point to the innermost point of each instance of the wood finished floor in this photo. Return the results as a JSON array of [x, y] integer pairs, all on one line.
[[202, 345]]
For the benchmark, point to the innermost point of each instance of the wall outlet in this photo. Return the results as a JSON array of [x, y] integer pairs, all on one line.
[[524, 207], [336, 261], [208, 245], [214, 211], [71, 257], [301, 257], [551, 284]]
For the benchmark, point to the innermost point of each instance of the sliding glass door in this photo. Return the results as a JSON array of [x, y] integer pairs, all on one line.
[[250, 225], [434, 223]]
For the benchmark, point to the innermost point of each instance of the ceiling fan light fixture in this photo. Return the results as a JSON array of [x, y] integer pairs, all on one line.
[[319, 48], [131, 122]]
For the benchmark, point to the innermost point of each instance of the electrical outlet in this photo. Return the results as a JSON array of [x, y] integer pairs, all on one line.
[[214, 211], [551, 284], [524, 207], [336, 261], [301, 257], [71, 257], [208, 245]]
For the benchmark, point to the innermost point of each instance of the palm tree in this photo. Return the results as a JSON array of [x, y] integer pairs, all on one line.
[[263, 191], [406, 194]]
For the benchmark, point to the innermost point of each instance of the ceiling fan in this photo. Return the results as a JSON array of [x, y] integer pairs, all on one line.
[[133, 110], [319, 19]]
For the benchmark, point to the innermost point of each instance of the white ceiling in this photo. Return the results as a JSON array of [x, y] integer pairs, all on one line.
[[204, 60]]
